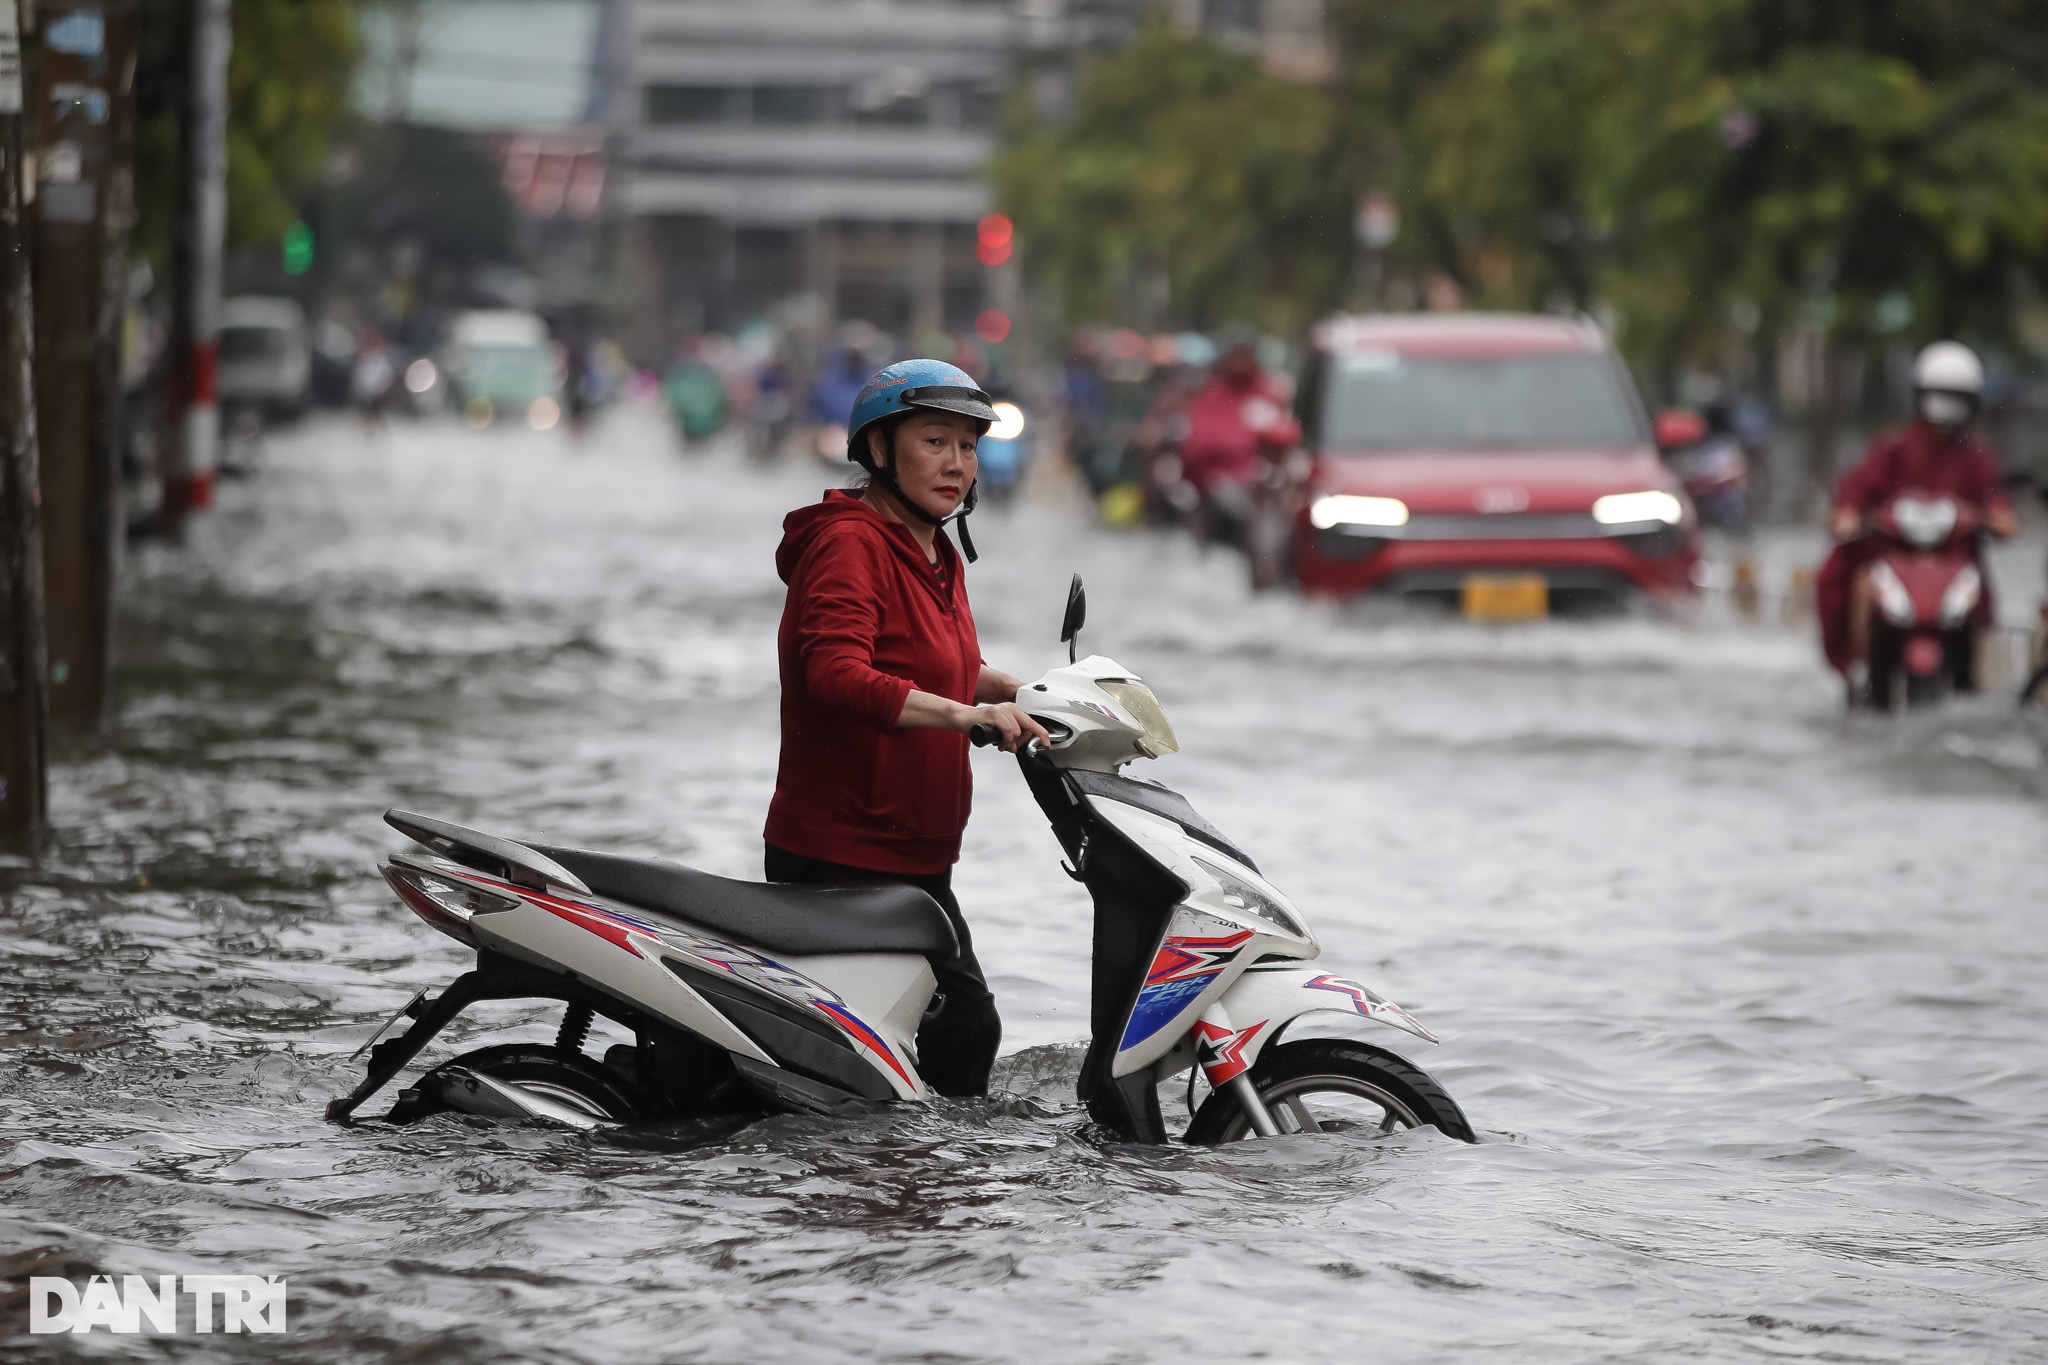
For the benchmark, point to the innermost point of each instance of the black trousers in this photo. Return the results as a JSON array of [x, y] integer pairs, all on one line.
[[957, 1042]]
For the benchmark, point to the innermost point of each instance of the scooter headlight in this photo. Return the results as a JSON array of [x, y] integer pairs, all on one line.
[[1892, 598], [1240, 894], [1140, 705], [1962, 597]]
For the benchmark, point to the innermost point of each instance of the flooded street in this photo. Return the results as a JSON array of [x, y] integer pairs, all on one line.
[[1747, 1000]]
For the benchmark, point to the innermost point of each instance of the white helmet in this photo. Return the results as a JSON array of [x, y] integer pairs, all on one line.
[[1949, 367]]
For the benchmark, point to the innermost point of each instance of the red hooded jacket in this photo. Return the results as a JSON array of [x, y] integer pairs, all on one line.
[[1922, 458], [1918, 458], [867, 619]]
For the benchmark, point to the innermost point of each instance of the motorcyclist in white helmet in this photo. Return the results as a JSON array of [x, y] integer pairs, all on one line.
[[1933, 455]]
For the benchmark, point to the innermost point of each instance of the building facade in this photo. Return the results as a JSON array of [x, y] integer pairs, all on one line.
[[804, 157]]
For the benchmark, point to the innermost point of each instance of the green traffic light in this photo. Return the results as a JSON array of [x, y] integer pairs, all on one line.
[[298, 249]]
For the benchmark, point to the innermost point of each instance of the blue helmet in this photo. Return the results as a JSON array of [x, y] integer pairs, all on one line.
[[914, 384]]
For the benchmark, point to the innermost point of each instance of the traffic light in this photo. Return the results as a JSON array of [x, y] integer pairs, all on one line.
[[298, 249], [992, 246]]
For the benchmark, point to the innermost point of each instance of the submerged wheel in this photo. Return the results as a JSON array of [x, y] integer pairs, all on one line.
[[1334, 1085], [1925, 691], [566, 1078]]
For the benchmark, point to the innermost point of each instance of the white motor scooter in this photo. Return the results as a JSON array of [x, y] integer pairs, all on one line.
[[748, 996]]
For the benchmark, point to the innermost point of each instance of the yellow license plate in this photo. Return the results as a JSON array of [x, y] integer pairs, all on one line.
[[1505, 597]]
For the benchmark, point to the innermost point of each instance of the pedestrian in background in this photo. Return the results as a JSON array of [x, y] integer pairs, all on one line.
[[371, 379]]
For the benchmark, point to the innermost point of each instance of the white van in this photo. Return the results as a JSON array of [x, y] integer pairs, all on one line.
[[502, 365], [266, 358]]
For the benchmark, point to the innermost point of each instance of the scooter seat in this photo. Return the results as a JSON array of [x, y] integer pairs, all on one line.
[[801, 920]]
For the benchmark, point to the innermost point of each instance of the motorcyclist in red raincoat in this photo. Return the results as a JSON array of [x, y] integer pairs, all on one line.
[[1237, 421], [1935, 454]]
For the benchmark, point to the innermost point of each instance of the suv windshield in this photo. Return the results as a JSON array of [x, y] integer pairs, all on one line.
[[1381, 400]]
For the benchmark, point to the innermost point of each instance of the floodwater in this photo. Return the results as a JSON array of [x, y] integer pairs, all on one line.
[[1746, 999]]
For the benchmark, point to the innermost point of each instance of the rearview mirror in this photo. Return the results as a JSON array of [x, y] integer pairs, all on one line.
[[1076, 617]]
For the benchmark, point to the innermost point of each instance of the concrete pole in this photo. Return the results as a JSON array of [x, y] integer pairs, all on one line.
[[927, 282], [194, 410], [24, 781], [81, 109]]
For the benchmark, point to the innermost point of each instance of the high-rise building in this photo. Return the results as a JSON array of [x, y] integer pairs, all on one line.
[[825, 156]]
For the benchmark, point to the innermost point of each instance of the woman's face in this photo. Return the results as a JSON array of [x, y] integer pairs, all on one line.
[[934, 459]]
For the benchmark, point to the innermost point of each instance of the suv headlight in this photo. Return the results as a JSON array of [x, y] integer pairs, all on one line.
[[1348, 509], [1242, 895], [1140, 705], [1625, 509]]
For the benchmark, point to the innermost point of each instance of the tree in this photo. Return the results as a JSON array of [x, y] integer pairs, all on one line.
[[288, 84], [1870, 168], [1878, 169], [1183, 166]]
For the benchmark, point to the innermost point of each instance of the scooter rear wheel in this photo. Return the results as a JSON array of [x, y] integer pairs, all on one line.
[[565, 1078], [1334, 1085]]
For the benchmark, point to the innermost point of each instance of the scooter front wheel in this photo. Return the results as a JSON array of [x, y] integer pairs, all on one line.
[[1333, 1085]]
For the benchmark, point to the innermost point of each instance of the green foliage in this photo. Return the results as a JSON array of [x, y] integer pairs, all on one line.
[[1183, 164], [288, 84], [1818, 160], [1877, 169]]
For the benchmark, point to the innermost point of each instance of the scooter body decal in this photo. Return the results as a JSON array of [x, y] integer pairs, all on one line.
[[1184, 966], [756, 970], [1221, 1050], [608, 924], [1369, 1002], [867, 1037]]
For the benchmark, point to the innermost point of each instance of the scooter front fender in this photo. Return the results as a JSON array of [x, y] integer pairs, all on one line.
[[1260, 1004]]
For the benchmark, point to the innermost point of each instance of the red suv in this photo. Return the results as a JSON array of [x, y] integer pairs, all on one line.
[[1500, 463]]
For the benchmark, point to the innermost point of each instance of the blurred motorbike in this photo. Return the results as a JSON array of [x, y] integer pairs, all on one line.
[[1924, 593], [1712, 465], [1002, 453]]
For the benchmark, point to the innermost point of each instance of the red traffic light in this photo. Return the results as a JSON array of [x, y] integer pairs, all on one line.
[[992, 326], [992, 239]]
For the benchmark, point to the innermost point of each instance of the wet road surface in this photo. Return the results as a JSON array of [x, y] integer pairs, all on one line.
[[1745, 998]]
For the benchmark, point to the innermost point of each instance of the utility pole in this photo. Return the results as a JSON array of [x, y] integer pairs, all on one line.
[[193, 434], [81, 108], [24, 781]]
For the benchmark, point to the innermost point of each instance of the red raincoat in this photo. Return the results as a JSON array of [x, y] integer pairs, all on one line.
[[1920, 458], [867, 619], [1229, 424]]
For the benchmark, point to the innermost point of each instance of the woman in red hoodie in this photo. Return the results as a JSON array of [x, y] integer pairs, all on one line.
[[882, 678]]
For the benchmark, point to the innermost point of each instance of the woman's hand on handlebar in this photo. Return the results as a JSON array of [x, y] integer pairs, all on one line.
[[1012, 727]]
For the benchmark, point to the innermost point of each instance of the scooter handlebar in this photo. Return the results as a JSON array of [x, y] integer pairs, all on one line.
[[984, 735]]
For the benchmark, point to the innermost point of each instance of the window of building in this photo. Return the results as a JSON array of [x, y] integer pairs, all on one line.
[[1231, 16], [687, 103], [791, 103]]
